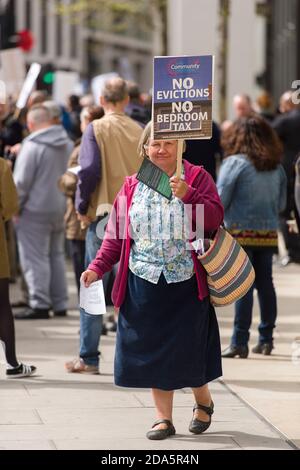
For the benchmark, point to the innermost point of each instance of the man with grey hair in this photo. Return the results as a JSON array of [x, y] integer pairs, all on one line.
[[54, 111], [108, 154], [40, 228]]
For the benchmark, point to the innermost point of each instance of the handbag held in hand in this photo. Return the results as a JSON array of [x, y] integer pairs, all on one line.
[[230, 273]]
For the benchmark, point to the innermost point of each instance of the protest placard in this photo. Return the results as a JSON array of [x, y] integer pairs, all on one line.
[[64, 85], [12, 70], [182, 97], [28, 85]]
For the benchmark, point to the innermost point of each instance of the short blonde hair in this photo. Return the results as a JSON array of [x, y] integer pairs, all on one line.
[[145, 137]]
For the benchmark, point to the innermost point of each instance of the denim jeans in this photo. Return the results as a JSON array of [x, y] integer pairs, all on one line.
[[262, 263], [77, 251], [91, 325]]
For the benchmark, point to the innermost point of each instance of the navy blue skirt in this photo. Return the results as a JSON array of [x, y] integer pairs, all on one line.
[[167, 338]]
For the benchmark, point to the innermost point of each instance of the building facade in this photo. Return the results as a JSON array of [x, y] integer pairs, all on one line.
[[283, 58], [193, 29], [85, 44], [263, 43]]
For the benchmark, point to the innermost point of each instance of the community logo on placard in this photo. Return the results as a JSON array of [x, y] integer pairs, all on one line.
[[175, 68]]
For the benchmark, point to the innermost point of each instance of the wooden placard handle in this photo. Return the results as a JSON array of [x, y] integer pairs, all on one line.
[[179, 158]]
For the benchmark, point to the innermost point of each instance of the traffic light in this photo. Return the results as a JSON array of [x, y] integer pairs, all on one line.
[[46, 78], [25, 40]]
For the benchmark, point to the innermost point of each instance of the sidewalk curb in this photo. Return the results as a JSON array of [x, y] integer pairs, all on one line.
[[259, 415]]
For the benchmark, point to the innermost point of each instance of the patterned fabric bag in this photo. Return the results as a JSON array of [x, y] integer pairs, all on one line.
[[230, 273]]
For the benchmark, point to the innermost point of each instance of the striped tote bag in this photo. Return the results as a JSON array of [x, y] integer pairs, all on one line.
[[230, 273]]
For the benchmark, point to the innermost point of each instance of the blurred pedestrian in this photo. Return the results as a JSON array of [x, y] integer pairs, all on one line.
[[8, 208], [285, 102], [252, 187], [11, 129], [108, 153], [40, 232], [167, 335], [242, 106], [297, 192], [205, 152], [135, 108], [264, 106], [67, 184], [287, 126], [74, 110]]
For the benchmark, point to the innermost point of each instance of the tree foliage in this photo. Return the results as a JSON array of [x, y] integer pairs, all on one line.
[[121, 11]]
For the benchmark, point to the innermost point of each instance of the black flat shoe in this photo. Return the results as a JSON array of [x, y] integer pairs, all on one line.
[[196, 425], [60, 313], [232, 351], [32, 314], [263, 348], [158, 434]]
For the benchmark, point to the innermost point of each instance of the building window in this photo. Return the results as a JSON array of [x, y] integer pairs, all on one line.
[[44, 26]]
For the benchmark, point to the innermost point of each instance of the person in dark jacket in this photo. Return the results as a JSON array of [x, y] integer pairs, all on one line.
[[297, 192], [8, 208], [287, 127], [135, 108], [11, 130], [205, 151]]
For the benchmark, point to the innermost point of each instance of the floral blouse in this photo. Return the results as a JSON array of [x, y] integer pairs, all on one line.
[[160, 245]]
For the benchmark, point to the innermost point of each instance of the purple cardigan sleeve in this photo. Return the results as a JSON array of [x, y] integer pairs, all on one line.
[[203, 191], [110, 250], [90, 174]]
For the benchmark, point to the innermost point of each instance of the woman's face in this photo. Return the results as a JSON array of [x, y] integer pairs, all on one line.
[[163, 153]]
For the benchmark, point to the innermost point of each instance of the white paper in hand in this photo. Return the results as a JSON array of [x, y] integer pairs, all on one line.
[[74, 169], [92, 298]]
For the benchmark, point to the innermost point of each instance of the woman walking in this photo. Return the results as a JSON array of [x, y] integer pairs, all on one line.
[[252, 187], [167, 335]]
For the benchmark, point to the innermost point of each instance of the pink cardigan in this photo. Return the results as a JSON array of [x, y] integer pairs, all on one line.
[[114, 248]]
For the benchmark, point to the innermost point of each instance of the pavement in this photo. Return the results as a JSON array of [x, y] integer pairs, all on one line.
[[257, 402]]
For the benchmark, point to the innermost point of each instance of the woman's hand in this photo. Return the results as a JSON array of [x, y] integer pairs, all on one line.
[[179, 187], [87, 277]]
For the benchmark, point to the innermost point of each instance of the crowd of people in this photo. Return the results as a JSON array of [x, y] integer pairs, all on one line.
[[73, 167]]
